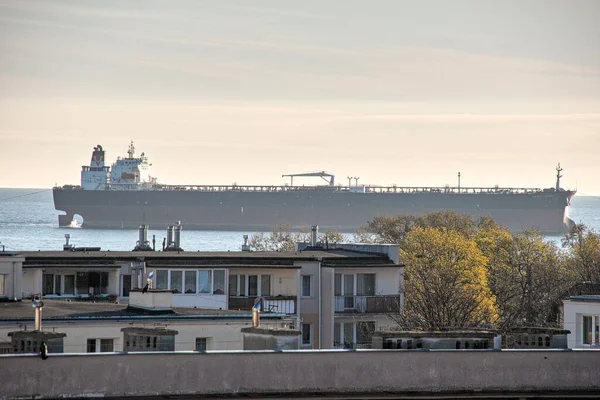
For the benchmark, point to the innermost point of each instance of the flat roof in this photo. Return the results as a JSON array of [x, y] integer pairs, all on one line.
[[588, 298], [55, 310], [223, 259]]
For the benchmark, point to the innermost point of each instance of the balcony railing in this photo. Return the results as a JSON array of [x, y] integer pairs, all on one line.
[[270, 304], [367, 304]]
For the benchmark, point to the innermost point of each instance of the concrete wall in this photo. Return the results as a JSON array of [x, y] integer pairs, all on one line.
[[433, 372], [220, 335]]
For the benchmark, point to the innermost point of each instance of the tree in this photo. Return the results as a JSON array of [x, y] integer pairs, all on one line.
[[528, 278], [583, 246], [445, 282], [282, 238]]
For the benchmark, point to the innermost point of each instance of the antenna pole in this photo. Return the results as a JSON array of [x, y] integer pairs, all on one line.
[[558, 176], [459, 182]]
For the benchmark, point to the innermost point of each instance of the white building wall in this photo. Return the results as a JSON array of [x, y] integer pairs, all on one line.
[[11, 269], [573, 321]]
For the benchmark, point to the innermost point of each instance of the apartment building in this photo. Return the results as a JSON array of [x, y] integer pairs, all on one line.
[[336, 296]]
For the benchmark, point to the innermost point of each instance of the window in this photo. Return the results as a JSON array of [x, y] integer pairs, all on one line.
[[200, 344], [2, 283], [100, 345], [365, 284], [148, 342], [162, 279], [92, 283], [190, 282], [256, 284], [252, 285], [219, 282], [587, 329], [204, 278], [306, 286], [176, 281], [126, 279], [69, 284], [306, 334], [265, 285], [57, 284], [48, 284]]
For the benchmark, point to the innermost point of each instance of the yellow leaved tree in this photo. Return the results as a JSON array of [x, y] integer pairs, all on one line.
[[445, 282]]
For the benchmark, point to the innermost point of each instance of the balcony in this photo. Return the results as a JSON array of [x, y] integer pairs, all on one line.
[[367, 304], [270, 304]]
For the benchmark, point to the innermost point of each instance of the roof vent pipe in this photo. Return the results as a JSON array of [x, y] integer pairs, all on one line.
[[67, 246], [314, 236], [177, 235], [143, 235], [245, 246], [256, 313], [170, 231], [37, 303]]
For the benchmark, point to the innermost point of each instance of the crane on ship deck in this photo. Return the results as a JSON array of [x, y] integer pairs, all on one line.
[[322, 174]]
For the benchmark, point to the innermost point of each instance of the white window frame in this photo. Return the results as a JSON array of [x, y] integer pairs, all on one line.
[[3, 284], [355, 283], [61, 289], [310, 286], [196, 293]]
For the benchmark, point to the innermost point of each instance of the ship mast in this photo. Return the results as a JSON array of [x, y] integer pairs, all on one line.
[[131, 150], [558, 176]]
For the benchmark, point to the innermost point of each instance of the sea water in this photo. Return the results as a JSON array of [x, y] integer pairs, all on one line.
[[28, 221]]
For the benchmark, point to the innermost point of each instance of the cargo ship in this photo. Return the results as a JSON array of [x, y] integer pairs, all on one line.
[[125, 195]]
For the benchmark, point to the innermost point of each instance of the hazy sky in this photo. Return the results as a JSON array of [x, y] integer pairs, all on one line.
[[405, 92]]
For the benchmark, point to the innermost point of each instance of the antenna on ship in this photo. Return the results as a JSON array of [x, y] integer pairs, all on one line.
[[459, 182], [558, 176]]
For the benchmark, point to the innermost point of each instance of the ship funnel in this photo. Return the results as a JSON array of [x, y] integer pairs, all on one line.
[[314, 235], [245, 246]]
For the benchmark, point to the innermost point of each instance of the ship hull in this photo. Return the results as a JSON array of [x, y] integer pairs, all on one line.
[[263, 211]]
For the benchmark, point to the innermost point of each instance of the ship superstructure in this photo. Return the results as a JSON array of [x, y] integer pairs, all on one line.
[[128, 173], [126, 195]]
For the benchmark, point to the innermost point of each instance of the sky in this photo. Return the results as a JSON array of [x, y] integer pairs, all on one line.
[[390, 91]]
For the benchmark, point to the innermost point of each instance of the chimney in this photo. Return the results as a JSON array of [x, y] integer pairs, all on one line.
[[256, 313], [143, 244], [314, 236], [38, 304], [245, 246]]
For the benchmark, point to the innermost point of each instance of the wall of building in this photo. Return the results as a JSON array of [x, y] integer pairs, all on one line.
[[12, 269], [573, 320], [32, 282], [220, 335], [435, 372]]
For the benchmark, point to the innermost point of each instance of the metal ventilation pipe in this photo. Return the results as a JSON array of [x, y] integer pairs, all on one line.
[[315, 235], [245, 246], [170, 231], [177, 236], [38, 304], [143, 234], [256, 313]]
